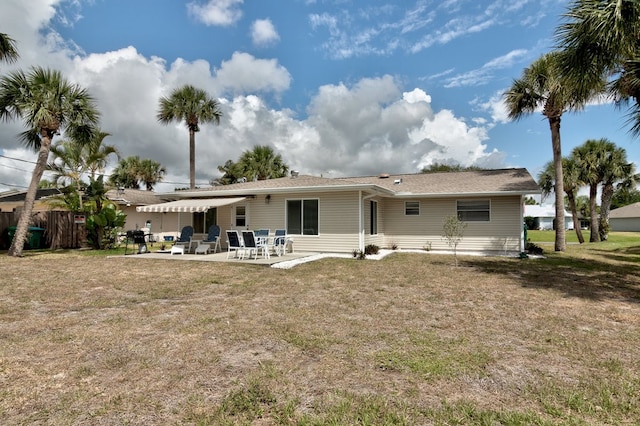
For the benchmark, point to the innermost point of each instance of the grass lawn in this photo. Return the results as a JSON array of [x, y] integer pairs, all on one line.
[[410, 339]]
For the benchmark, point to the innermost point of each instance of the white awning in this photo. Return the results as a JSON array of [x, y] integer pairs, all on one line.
[[189, 206]]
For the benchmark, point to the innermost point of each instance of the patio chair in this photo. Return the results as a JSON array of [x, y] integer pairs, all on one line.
[[250, 243], [234, 243], [183, 240], [213, 238], [279, 242]]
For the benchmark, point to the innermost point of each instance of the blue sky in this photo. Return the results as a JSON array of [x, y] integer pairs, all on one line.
[[337, 87]]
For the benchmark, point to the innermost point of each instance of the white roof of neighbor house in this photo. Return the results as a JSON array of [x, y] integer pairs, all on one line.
[[542, 211], [626, 212]]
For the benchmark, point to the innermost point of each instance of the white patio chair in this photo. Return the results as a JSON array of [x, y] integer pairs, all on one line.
[[234, 244]]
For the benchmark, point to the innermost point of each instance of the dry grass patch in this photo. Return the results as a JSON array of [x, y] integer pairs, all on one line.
[[409, 339]]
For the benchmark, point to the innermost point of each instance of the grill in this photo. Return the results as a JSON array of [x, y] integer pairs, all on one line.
[[136, 237]]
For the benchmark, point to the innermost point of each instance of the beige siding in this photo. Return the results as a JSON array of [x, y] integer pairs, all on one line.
[[502, 232]]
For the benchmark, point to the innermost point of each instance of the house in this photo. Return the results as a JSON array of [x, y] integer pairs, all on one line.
[[545, 216], [129, 199], [625, 218], [13, 201], [342, 214]]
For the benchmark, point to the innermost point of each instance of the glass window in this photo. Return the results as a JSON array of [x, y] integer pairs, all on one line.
[[412, 208], [241, 216], [474, 210], [373, 226], [198, 222], [302, 217]]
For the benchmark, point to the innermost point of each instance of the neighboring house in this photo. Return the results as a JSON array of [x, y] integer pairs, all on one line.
[[625, 218], [129, 199], [343, 214], [545, 216], [13, 201]]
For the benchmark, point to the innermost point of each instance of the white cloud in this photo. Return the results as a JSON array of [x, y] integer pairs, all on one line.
[[366, 127], [263, 33], [216, 12], [244, 73]]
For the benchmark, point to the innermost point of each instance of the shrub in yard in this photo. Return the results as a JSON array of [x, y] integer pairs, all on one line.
[[531, 248], [371, 249]]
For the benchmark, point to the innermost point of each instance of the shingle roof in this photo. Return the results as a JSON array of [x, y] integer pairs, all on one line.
[[515, 181], [135, 197], [468, 182], [630, 211]]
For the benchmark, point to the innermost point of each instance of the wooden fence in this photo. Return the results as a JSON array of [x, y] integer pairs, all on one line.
[[60, 229]]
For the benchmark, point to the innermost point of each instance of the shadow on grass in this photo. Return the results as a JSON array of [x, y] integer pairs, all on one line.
[[594, 274]]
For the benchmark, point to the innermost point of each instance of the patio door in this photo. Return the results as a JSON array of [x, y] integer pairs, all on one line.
[[203, 220]]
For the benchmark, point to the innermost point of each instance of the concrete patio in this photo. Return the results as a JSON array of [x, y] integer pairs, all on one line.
[[222, 257]]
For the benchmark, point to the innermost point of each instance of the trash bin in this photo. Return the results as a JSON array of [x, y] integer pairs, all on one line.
[[35, 236]]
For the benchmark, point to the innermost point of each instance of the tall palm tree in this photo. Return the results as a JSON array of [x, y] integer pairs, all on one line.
[[571, 183], [47, 103], [262, 163], [616, 169], [8, 50], [541, 86], [589, 157], [600, 38], [193, 106]]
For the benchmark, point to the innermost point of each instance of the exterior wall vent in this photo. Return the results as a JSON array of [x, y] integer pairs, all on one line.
[[397, 181], [384, 176]]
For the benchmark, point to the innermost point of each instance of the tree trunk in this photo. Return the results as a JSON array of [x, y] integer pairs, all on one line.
[[20, 236], [605, 208], [192, 159], [574, 216], [554, 124], [593, 212]]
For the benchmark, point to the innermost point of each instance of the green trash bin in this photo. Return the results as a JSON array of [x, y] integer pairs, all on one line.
[[36, 236]]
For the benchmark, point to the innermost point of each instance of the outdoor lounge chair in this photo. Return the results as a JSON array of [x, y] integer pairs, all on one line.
[[234, 243], [279, 242], [183, 240], [213, 238], [251, 244]]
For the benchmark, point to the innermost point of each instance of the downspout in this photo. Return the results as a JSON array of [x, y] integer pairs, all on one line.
[[361, 222], [522, 232]]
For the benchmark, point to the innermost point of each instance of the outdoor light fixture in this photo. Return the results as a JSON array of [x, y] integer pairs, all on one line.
[[267, 199]]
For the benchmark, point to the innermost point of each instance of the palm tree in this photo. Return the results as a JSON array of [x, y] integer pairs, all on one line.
[[615, 170], [132, 171], [589, 159], [8, 50], [47, 103], [262, 163], [571, 183], [542, 86], [150, 173], [193, 106], [600, 38], [79, 155], [97, 153]]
